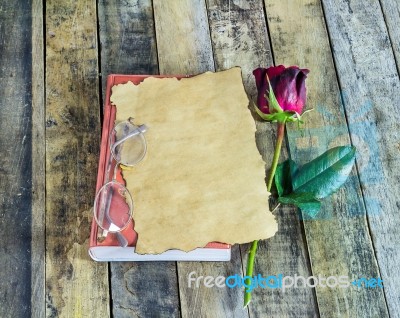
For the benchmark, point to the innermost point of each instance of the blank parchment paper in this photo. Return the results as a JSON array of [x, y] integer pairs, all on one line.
[[202, 179]]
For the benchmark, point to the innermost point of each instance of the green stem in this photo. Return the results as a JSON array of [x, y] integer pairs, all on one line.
[[253, 248], [275, 160]]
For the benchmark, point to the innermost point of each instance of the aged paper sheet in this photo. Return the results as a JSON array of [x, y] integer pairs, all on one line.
[[202, 179]]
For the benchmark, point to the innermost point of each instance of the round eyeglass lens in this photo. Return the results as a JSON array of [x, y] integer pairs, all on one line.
[[113, 207], [128, 144]]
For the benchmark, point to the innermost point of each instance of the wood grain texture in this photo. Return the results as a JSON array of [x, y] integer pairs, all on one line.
[[200, 301], [240, 37], [367, 73], [127, 38], [75, 285], [339, 241], [15, 159], [184, 47], [366, 44], [391, 11], [38, 244], [183, 38], [145, 289], [148, 289]]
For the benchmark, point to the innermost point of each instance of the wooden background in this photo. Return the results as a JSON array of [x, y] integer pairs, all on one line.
[[54, 59]]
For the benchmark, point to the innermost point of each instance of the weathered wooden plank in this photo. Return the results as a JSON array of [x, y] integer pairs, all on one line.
[[240, 37], [145, 289], [183, 38], [367, 74], [204, 301], [127, 38], [75, 285], [184, 47], [38, 245], [15, 159], [391, 11], [339, 241], [128, 41]]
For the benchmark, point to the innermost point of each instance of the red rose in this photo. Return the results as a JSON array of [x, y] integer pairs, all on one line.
[[288, 86]]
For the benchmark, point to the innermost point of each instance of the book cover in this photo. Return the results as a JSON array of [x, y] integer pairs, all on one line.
[[105, 246]]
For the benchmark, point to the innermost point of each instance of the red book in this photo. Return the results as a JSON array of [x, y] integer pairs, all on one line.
[[105, 247]]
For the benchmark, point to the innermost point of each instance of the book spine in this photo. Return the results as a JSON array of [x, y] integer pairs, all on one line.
[[104, 152]]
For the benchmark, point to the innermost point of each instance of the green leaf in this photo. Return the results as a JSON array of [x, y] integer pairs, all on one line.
[[315, 180], [281, 117], [311, 208], [325, 174], [305, 201], [283, 177], [297, 198], [272, 102], [264, 116]]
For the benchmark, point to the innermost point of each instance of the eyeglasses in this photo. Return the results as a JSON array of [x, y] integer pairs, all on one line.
[[113, 205]]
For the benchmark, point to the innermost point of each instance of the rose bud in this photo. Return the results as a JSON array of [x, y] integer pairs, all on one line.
[[288, 89]]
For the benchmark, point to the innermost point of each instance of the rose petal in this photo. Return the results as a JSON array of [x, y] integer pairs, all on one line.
[[274, 71], [262, 88]]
